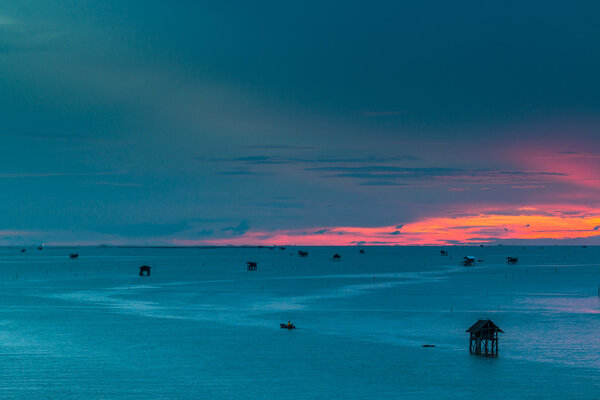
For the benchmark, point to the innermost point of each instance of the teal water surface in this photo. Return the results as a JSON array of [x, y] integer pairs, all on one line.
[[201, 326]]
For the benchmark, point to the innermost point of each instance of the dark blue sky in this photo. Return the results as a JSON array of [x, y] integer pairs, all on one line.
[[184, 122]]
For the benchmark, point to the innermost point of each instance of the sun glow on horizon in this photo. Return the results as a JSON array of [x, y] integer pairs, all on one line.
[[478, 227]]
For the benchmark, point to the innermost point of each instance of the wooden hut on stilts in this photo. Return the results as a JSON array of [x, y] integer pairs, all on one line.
[[145, 270], [251, 266], [484, 338], [468, 261]]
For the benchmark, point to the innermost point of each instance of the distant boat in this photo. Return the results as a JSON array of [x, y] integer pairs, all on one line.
[[41, 246], [286, 326]]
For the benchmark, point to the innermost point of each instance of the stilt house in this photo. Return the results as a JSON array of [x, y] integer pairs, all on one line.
[[483, 338], [145, 270]]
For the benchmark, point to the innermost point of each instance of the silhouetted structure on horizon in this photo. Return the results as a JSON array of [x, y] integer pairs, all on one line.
[[303, 253], [512, 260], [483, 338], [251, 266], [73, 256], [337, 257], [443, 253]]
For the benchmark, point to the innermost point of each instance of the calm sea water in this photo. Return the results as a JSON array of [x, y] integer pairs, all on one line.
[[203, 327]]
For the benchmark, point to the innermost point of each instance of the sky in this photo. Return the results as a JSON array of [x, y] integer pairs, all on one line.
[[310, 123]]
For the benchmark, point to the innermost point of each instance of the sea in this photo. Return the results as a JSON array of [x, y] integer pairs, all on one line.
[[202, 326]]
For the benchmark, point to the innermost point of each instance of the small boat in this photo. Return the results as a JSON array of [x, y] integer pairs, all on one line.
[[286, 326]]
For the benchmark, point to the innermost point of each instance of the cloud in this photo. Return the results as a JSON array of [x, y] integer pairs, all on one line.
[[564, 155], [382, 113], [117, 184], [438, 175], [528, 186], [366, 171], [11, 175], [253, 160], [279, 147], [7, 21], [323, 166], [17, 36], [241, 173], [280, 204], [270, 159], [237, 230], [381, 183], [144, 229]]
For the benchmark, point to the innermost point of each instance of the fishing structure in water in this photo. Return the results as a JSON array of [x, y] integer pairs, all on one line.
[[468, 261], [251, 266], [145, 270], [483, 338]]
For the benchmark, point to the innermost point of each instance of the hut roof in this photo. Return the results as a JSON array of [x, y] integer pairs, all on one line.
[[484, 323]]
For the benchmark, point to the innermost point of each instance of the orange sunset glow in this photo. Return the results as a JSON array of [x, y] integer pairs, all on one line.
[[484, 226]]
